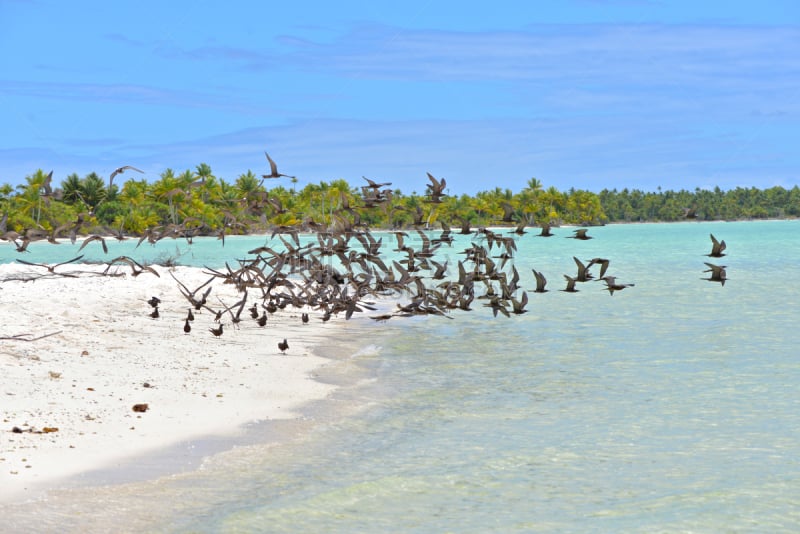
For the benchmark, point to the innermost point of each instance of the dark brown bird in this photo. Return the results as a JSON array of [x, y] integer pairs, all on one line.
[[273, 169], [375, 185], [186, 326], [262, 321], [583, 272], [51, 268], [541, 282], [717, 247], [435, 190], [154, 302], [603, 265], [216, 331], [154, 314], [120, 170], [304, 318], [718, 273], [570, 285], [190, 315], [94, 238], [612, 285], [545, 231], [283, 346], [580, 233]]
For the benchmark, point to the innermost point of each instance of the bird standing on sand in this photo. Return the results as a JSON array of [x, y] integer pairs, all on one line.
[[154, 314], [283, 346], [216, 331], [304, 318], [154, 302], [186, 326]]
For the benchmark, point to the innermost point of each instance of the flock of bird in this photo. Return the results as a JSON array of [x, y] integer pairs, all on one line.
[[347, 267]]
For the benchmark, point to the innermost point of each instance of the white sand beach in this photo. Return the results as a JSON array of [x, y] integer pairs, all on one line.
[[67, 399]]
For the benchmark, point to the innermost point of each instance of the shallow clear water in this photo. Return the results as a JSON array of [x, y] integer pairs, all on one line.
[[669, 406]]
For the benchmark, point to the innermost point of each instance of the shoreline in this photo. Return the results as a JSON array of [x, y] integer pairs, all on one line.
[[70, 394]]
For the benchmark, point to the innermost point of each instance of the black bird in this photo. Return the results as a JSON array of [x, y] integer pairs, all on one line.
[[603, 265], [154, 314], [570, 285], [718, 273], [283, 346], [612, 285], [435, 189], [545, 231], [154, 302], [580, 233], [94, 238], [186, 326], [717, 247], [304, 318], [541, 282], [190, 316], [262, 321], [216, 331], [583, 272], [273, 169], [519, 305]]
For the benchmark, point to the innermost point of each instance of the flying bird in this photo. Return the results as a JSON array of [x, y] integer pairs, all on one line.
[[120, 170], [273, 169], [580, 233], [612, 285], [717, 247], [570, 285], [541, 282], [718, 273], [94, 238], [51, 268], [603, 265]]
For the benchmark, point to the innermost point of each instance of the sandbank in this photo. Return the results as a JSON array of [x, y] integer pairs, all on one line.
[[67, 398]]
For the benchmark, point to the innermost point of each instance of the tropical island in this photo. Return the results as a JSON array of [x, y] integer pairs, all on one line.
[[196, 202]]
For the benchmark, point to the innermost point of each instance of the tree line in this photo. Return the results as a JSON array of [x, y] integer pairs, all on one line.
[[198, 199]]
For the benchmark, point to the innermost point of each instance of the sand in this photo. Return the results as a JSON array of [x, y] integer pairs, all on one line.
[[67, 399]]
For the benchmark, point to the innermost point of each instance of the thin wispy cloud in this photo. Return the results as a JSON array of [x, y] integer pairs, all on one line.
[[604, 97], [127, 94]]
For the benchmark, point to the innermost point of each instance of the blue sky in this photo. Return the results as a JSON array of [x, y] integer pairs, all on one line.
[[589, 94]]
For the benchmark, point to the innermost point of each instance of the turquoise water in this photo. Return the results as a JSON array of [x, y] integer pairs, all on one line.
[[670, 406]]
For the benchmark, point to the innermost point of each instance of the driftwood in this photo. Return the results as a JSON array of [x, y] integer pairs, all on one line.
[[27, 337]]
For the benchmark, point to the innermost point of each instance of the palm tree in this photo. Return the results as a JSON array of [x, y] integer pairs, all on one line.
[[93, 190]]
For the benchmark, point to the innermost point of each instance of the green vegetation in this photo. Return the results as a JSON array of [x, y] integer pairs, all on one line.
[[200, 201]]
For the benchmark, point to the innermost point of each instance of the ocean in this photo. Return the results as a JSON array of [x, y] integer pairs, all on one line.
[[670, 406]]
